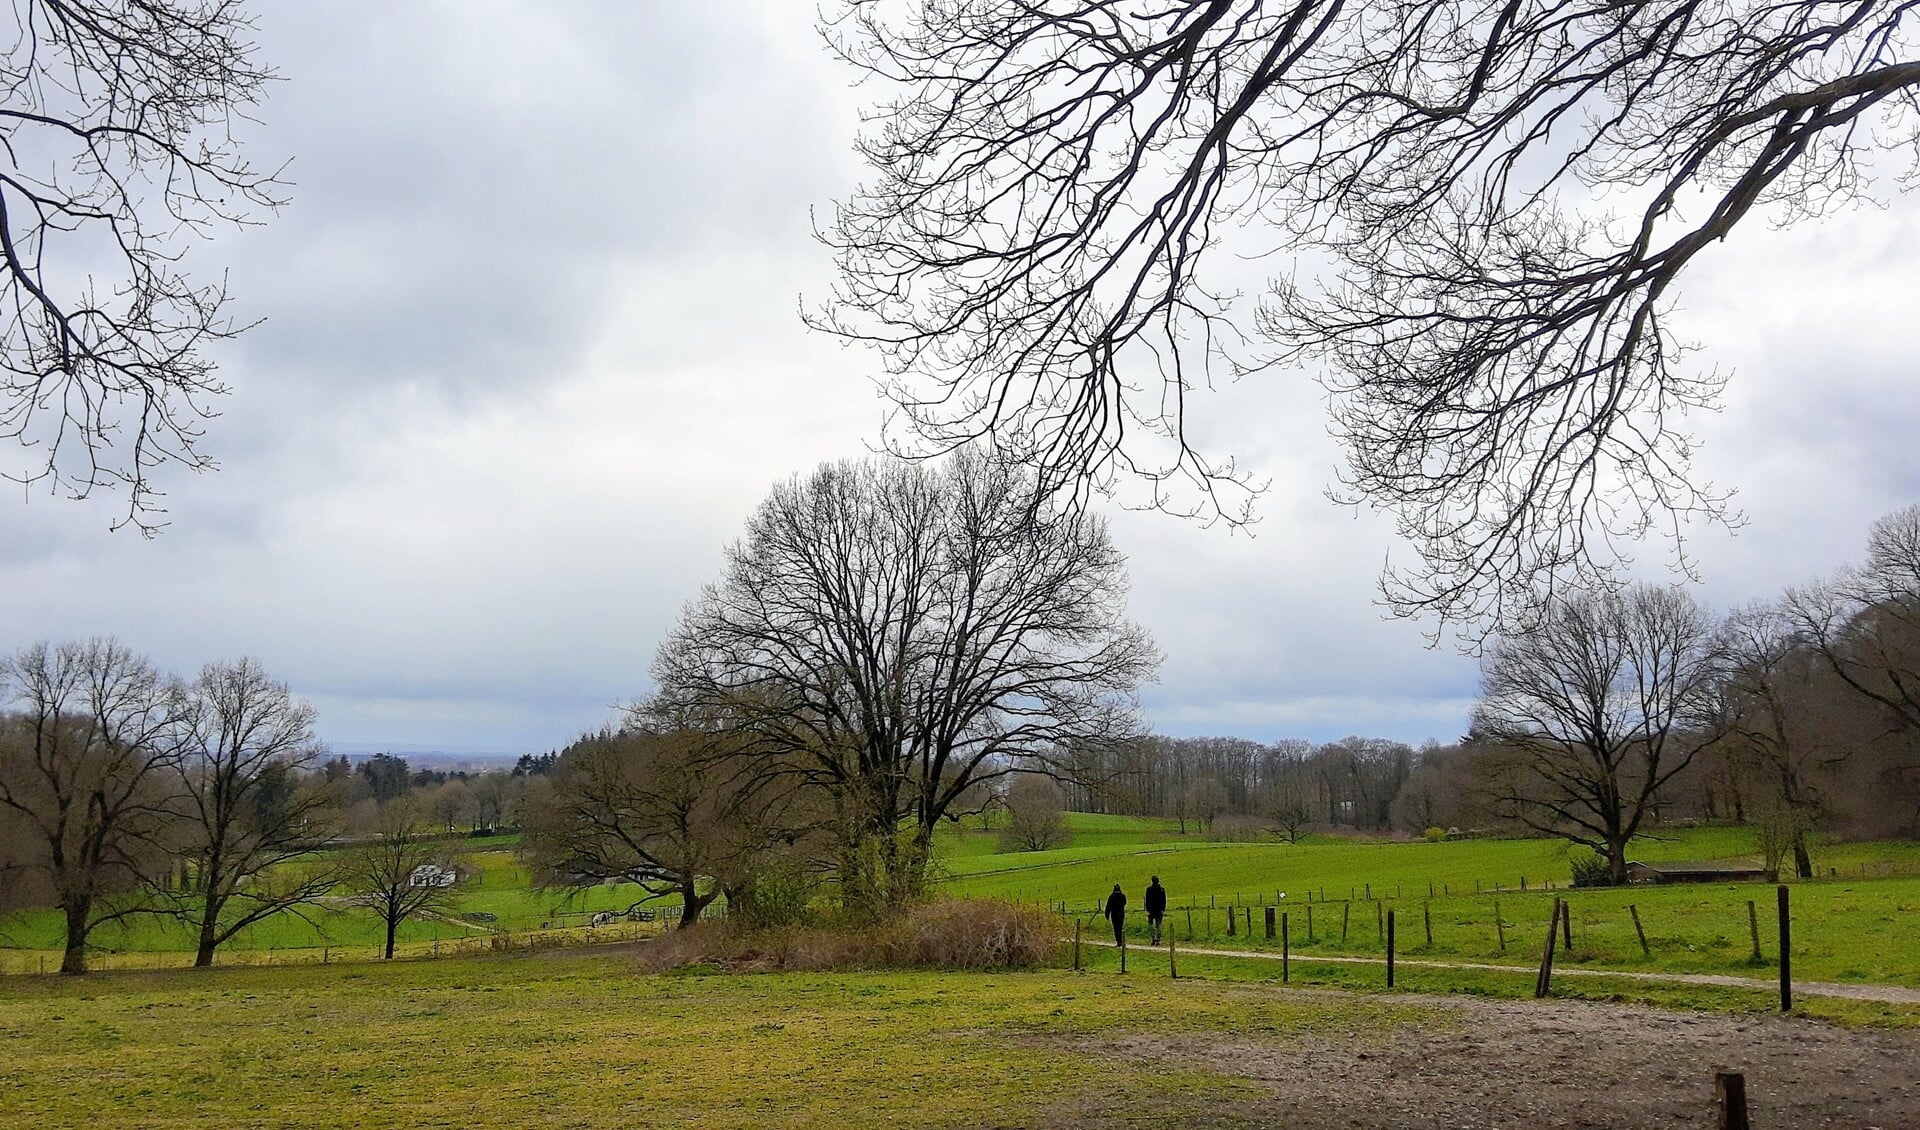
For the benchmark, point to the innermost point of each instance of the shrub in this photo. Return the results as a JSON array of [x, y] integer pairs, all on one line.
[[779, 895], [1435, 835], [949, 934], [971, 934], [1589, 868]]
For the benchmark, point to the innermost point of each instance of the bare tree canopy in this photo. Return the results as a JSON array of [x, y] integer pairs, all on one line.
[[678, 811], [85, 763], [119, 156], [248, 813], [1051, 181], [1866, 622], [400, 871], [903, 632], [1593, 711]]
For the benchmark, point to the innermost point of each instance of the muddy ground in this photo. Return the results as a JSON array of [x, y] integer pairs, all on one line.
[[1552, 1064]]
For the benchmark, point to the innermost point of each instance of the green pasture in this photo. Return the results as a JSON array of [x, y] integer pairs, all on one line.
[[1860, 921], [582, 1040], [1852, 926], [500, 887]]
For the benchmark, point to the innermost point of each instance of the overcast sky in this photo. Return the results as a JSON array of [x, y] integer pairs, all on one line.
[[531, 356]]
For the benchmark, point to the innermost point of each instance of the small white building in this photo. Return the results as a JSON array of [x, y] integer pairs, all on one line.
[[433, 875]]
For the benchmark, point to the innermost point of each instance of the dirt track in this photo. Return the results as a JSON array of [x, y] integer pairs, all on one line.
[[1558, 1064]]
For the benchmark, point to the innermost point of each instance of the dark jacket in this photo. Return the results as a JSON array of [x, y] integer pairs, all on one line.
[[1116, 906], [1156, 901]]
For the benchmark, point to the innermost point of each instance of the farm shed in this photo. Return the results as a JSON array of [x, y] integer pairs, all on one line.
[[1714, 871]]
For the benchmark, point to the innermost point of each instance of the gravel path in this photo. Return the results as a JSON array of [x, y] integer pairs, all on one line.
[[1488, 1063]]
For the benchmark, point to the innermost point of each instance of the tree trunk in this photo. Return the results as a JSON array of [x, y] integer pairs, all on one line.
[[1802, 862], [208, 940], [393, 925], [1617, 860], [74, 961]]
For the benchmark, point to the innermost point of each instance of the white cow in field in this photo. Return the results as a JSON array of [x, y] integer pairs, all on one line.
[[604, 918]]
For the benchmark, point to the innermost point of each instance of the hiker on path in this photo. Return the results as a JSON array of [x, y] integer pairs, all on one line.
[[1117, 914], [1156, 907]]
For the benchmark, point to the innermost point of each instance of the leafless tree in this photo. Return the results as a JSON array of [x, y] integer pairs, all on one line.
[[119, 157], [1772, 724], [1037, 253], [401, 871], [1036, 815], [1596, 709], [678, 811], [86, 760], [1866, 622], [904, 631], [250, 814]]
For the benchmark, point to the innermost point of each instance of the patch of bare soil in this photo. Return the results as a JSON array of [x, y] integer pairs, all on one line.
[[1558, 1064]]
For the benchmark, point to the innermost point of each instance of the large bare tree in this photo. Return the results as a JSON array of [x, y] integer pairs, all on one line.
[[86, 767], [1772, 719], [1037, 253], [250, 814], [1595, 709], [119, 157], [902, 632]]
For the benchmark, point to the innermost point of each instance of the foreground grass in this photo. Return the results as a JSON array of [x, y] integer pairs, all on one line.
[[582, 1040]]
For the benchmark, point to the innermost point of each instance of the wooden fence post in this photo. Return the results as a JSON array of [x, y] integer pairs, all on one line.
[[1270, 913], [1286, 945], [1076, 943], [1249, 924], [1377, 922], [1389, 949], [1786, 955], [1426, 912], [1189, 923], [1309, 922], [1346, 912], [1753, 928], [1231, 925], [1730, 1099], [1545, 980], [1499, 926], [1123, 953], [1566, 925], [1635, 911], [1173, 971]]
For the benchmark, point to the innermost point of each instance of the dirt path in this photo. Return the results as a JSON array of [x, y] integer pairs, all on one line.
[[1889, 994], [1486, 1063]]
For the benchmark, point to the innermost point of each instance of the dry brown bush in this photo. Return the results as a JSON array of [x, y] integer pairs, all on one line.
[[950, 934]]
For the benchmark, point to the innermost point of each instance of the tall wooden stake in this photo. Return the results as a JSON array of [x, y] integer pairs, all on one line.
[[1753, 928], [1076, 945], [1786, 955], [1285, 947], [1635, 911]]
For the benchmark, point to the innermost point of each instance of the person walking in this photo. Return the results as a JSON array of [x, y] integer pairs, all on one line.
[[1156, 907], [1117, 914]]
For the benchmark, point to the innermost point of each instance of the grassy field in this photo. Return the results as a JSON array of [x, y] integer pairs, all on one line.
[[1861, 924], [581, 1040], [1853, 926]]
